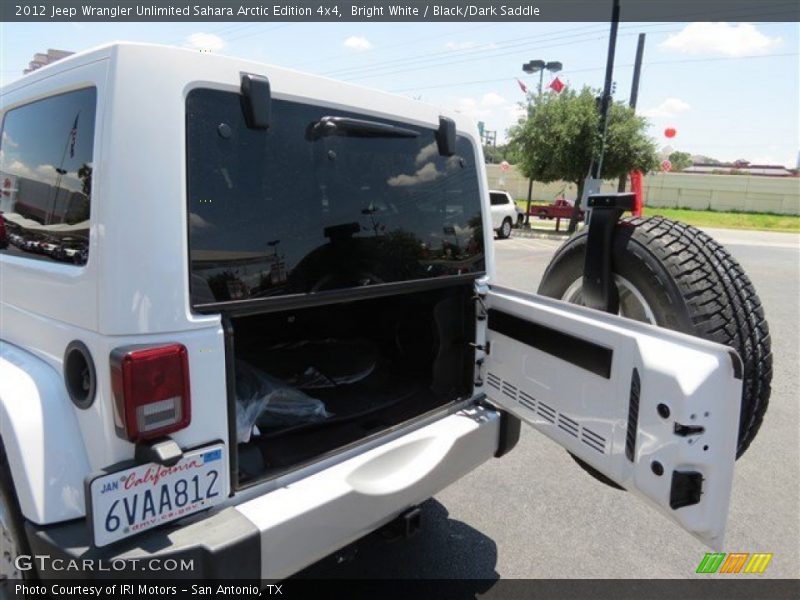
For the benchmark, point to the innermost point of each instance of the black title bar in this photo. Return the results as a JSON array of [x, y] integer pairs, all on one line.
[[408, 10], [731, 588]]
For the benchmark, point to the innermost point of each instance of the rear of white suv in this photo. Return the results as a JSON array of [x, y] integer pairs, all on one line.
[[505, 214], [124, 424], [158, 360]]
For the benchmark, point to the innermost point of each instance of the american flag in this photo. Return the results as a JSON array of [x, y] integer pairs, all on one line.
[[73, 136]]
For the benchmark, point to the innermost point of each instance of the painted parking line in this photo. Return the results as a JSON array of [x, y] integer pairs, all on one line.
[[785, 246], [531, 243]]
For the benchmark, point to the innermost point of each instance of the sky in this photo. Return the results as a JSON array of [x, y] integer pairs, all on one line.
[[730, 90]]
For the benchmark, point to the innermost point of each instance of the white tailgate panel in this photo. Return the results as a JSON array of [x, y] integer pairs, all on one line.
[[569, 371]]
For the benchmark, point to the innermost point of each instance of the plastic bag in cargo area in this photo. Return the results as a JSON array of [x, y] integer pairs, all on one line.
[[319, 364], [263, 399]]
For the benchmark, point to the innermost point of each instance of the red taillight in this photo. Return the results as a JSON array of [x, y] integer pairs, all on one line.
[[151, 391]]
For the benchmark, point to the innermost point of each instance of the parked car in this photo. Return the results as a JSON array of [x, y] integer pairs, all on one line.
[[560, 209], [31, 245], [284, 334], [68, 249], [48, 247], [505, 213]]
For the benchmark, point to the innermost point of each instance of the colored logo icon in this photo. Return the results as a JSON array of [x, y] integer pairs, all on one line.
[[734, 562]]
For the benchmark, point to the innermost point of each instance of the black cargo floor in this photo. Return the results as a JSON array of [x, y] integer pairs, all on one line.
[[387, 397]]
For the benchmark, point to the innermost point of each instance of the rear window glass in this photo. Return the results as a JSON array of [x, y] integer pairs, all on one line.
[[46, 177], [498, 199], [288, 211]]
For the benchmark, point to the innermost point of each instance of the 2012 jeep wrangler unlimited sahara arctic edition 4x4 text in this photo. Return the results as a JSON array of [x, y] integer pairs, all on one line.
[[277, 327]]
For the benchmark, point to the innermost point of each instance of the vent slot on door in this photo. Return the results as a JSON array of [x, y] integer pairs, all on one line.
[[509, 390], [493, 381], [568, 425], [548, 413], [550, 416], [527, 400], [633, 416], [594, 441]]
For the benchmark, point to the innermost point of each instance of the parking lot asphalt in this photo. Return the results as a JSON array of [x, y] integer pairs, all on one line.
[[535, 514]]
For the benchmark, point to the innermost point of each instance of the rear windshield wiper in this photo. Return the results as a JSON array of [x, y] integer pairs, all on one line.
[[347, 127]]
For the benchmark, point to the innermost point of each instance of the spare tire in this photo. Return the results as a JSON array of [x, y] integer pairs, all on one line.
[[675, 276]]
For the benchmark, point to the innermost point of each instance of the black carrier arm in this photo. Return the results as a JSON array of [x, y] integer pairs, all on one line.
[[599, 289]]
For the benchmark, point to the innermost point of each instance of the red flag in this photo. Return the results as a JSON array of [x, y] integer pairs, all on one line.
[[557, 85], [523, 87]]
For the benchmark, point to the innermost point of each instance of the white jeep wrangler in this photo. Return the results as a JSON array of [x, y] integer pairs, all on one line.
[[248, 316]]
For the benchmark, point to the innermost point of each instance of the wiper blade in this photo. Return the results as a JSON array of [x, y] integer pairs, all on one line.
[[347, 127]]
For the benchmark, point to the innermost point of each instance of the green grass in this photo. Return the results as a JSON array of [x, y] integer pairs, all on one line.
[[713, 218], [729, 220]]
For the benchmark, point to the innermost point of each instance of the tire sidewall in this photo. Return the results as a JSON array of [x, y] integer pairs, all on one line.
[[631, 260], [13, 511], [693, 285], [506, 224]]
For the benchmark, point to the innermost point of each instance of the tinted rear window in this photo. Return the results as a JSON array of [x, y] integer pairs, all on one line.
[[498, 199], [285, 212], [46, 177]]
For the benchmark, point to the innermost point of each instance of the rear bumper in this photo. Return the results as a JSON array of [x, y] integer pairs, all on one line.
[[279, 533]]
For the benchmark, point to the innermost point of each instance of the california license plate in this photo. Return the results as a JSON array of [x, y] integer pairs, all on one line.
[[128, 502]]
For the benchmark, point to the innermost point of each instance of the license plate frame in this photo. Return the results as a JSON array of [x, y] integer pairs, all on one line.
[[107, 498]]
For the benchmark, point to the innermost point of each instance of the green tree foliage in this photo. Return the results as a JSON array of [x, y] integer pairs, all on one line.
[[561, 136], [707, 160], [680, 160], [496, 154]]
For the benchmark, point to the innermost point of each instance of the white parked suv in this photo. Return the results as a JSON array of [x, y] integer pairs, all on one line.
[[505, 213], [284, 330]]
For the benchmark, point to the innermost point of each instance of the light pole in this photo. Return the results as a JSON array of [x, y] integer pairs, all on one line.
[[534, 66], [531, 67]]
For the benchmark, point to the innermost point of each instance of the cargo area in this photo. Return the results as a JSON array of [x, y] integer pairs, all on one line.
[[312, 381]]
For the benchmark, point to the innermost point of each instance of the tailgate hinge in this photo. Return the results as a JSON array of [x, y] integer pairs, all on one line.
[[484, 348]]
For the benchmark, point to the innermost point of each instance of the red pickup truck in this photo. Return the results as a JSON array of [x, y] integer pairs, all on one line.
[[560, 209]]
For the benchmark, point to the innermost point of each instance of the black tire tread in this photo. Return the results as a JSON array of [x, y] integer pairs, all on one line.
[[723, 306], [14, 517], [719, 301]]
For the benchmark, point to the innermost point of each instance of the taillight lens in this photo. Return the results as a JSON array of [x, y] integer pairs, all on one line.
[[151, 391]]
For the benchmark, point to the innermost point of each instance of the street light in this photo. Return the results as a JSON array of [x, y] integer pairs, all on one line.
[[531, 67], [539, 66]]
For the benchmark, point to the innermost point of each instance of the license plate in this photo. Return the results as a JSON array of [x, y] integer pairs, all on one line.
[[128, 502]]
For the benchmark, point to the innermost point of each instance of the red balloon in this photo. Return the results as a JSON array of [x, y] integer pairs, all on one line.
[[670, 132]]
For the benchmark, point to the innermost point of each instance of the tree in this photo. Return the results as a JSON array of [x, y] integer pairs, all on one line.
[[497, 154], [680, 160], [561, 137], [85, 175], [707, 160]]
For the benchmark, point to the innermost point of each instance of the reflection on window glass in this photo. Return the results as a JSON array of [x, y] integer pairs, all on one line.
[[46, 176], [290, 211]]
